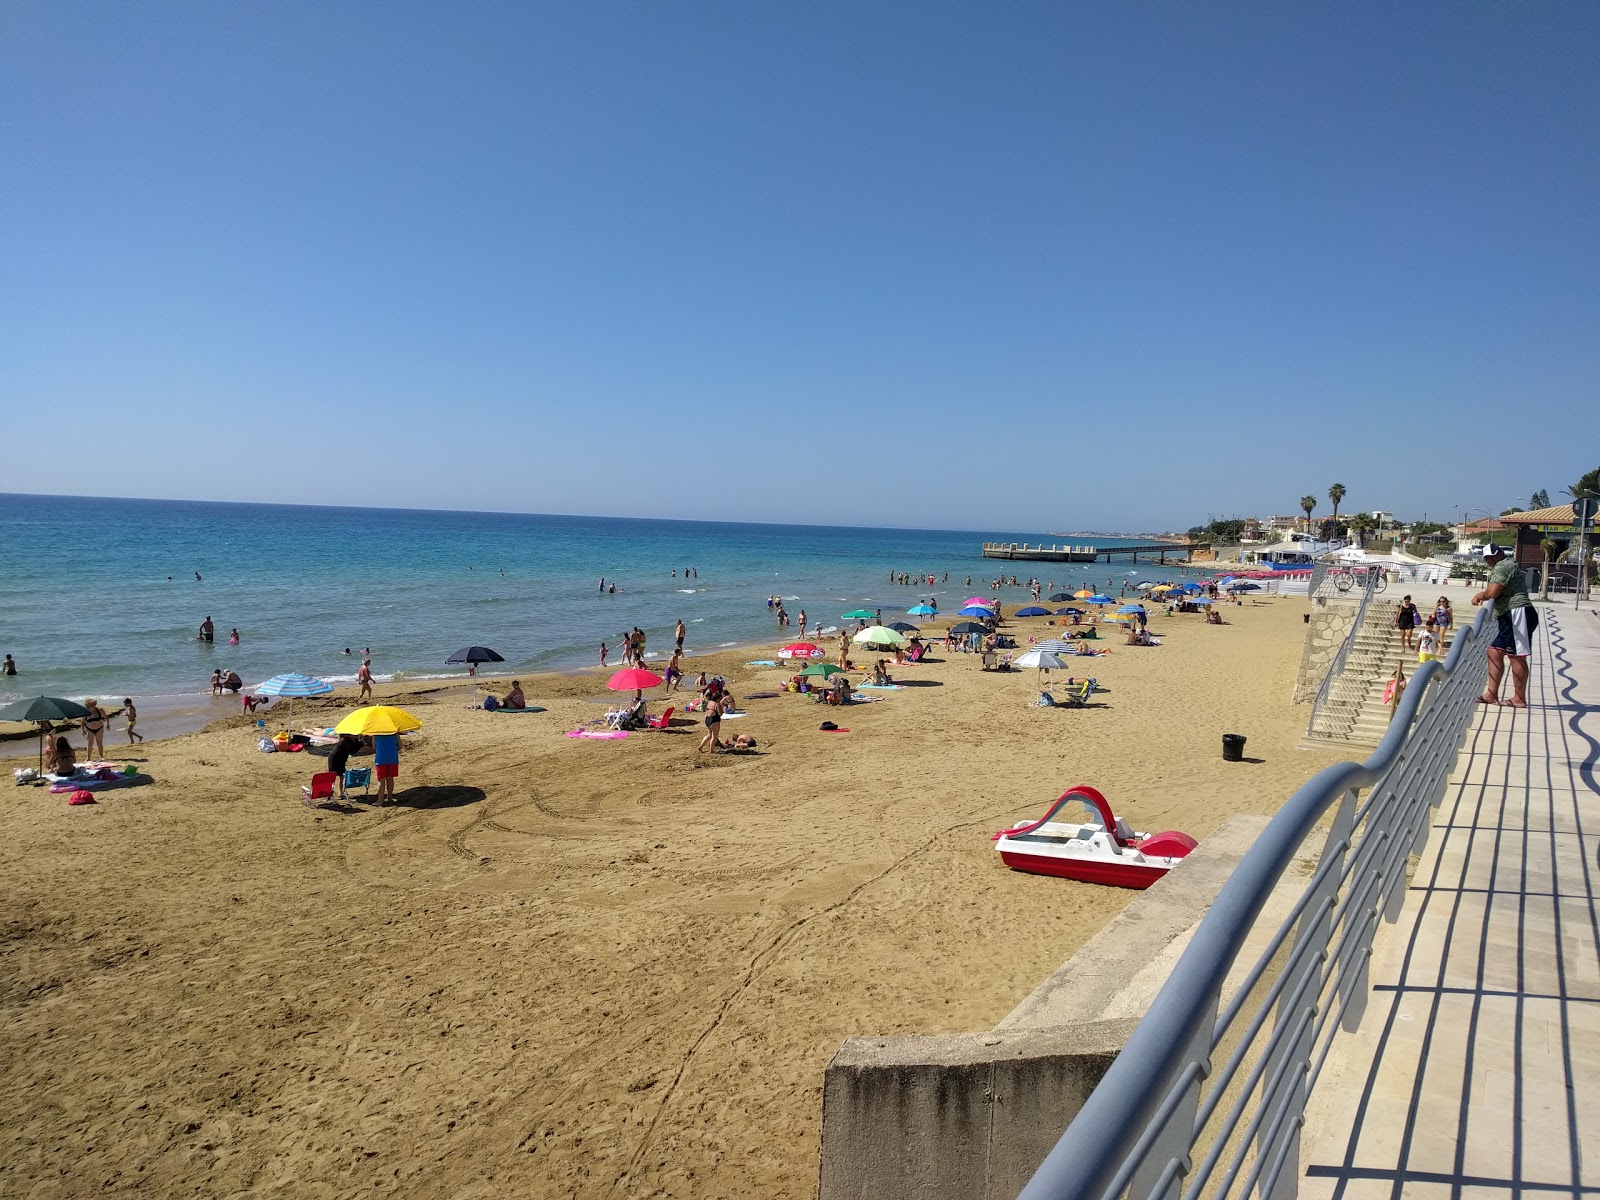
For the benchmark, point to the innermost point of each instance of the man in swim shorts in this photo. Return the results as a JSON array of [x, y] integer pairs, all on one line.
[[1517, 619]]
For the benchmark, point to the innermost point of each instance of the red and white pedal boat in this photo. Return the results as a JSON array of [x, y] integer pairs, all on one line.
[[1081, 838]]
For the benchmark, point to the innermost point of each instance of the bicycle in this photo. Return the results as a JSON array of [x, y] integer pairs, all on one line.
[[1344, 578]]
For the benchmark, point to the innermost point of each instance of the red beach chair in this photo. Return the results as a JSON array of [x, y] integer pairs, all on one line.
[[662, 721]]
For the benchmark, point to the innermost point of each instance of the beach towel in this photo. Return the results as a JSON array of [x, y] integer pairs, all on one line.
[[762, 696], [761, 662], [514, 711], [883, 687], [101, 785], [603, 734]]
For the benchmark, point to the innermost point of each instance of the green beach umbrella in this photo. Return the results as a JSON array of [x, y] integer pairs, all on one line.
[[860, 614], [42, 709], [825, 670], [878, 635]]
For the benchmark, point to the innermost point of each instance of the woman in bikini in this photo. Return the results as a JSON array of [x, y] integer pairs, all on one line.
[[94, 731], [711, 742]]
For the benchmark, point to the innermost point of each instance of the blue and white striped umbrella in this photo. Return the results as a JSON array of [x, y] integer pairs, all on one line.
[[294, 685]]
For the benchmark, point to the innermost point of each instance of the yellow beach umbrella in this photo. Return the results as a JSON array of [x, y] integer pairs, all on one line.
[[1118, 617], [1082, 595], [1164, 587], [378, 719]]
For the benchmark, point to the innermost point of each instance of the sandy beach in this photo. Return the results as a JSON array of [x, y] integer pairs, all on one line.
[[564, 967]]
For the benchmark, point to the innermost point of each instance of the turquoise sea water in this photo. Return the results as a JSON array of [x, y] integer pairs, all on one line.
[[99, 597]]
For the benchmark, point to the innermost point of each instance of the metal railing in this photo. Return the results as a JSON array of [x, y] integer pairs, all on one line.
[[1319, 702], [1208, 1096]]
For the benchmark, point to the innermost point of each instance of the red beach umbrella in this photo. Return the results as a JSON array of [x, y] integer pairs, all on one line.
[[802, 650], [632, 679]]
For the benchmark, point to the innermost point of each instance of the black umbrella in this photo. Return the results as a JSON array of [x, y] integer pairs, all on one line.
[[967, 627], [43, 708], [1069, 612], [1058, 597], [904, 627], [474, 655]]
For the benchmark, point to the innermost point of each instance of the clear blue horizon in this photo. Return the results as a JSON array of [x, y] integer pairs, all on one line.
[[925, 266]]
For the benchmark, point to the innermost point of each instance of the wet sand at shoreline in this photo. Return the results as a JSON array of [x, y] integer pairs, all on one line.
[[574, 967]]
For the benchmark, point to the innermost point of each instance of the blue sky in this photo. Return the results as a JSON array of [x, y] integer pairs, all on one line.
[[1008, 266]]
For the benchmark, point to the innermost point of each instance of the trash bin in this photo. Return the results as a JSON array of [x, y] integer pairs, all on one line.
[[1233, 747]]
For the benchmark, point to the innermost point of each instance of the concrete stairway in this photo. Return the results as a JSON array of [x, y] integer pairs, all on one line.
[[1355, 713]]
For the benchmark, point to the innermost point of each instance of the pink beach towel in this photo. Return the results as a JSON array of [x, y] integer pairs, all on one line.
[[607, 734]]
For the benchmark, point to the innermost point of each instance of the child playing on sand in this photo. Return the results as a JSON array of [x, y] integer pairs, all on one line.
[[132, 715]]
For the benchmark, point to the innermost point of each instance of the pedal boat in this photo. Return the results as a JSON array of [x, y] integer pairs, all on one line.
[[1081, 838]]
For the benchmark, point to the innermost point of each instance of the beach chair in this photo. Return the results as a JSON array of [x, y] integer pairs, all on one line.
[[1078, 697], [990, 660], [320, 793], [358, 777], [662, 721]]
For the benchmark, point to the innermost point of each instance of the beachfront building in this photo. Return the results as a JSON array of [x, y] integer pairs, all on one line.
[[1558, 526]]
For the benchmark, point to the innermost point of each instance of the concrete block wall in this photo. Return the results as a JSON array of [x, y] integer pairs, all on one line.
[[970, 1116]]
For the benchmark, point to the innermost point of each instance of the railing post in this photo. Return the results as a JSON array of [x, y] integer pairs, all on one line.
[[1289, 1059], [1155, 1178]]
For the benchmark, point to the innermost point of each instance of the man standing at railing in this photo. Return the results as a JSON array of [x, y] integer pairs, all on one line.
[[1517, 619]]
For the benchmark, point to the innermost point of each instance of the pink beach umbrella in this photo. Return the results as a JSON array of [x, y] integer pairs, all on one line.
[[635, 679], [802, 650]]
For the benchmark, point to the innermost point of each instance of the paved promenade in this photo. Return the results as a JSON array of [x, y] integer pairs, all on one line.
[[1476, 1071]]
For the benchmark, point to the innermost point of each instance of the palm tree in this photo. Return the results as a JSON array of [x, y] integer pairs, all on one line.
[[1309, 503], [1549, 548], [1361, 525], [1336, 494]]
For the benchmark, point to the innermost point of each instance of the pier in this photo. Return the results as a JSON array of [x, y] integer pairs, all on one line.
[[1089, 554]]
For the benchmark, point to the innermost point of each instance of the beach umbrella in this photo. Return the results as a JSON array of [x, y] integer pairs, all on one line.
[[802, 650], [1055, 646], [1245, 587], [922, 610], [377, 720], [1058, 597], [1117, 616], [1045, 660], [1191, 586], [822, 670], [1100, 600], [473, 655], [636, 678], [904, 627], [976, 610], [984, 600], [877, 635], [1069, 612], [860, 614], [42, 709], [1032, 611], [1083, 594], [1201, 600], [1145, 585], [633, 679], [1131, 608], [1163, 587], [967, 627], [293, 685]]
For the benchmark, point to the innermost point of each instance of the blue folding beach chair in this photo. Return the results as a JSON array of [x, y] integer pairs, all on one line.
[[358, 777]]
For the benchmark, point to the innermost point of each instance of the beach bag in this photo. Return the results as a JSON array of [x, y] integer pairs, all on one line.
[[267, 746], [490, 703], [81, 796]]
